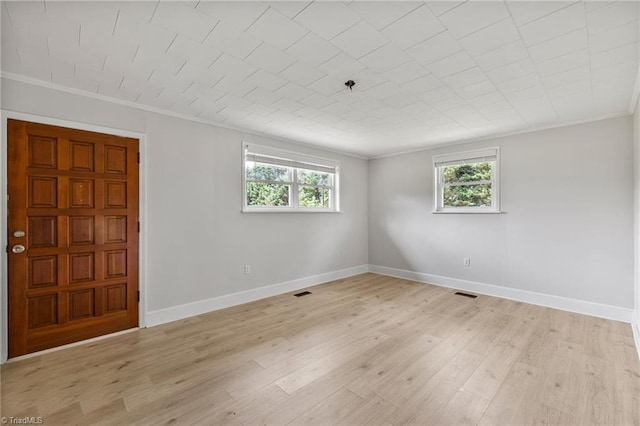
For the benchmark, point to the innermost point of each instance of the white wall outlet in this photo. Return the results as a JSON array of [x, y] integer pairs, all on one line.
[[467, 261], [247, 269]]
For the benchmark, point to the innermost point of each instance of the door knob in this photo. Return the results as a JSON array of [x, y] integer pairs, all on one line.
[[19, 248]]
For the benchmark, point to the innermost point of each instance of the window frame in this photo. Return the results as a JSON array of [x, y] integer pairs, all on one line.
[[298, 160], [489, 154]]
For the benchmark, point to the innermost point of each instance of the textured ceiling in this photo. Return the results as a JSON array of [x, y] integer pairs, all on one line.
[[425, 72]]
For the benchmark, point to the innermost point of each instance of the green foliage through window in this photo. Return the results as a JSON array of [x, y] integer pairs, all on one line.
[[271, 185], [267, 194], [467, 185]]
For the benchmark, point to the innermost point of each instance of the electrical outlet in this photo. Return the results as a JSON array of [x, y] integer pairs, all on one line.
[[247, 269], [467, 261]]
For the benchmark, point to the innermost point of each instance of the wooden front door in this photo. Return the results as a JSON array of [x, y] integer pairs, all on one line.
[[73, 235]]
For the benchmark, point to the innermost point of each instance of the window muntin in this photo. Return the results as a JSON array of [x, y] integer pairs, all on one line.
[[467, 182], [276, 180]]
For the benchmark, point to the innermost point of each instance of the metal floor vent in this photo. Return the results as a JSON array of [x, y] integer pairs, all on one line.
[[472, 296], [304, 293]]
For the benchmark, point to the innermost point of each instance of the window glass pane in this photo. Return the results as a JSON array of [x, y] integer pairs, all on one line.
[[261, 171], [467, 196], [467, 172], [309, 196], [310, 177], [267, 194]]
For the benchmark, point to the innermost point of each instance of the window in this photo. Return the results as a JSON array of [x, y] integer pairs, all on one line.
[[467, 182], [276, 180]]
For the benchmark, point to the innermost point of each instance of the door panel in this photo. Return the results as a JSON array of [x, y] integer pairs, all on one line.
[[75, 196]]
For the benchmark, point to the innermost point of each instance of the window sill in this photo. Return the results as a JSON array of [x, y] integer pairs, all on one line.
[[258, 210], [467, 212]]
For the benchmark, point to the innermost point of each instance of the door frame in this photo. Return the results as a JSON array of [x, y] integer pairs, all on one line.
[[142, 203]]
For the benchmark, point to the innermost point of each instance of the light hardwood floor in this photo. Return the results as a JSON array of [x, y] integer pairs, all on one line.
[[365, 350]]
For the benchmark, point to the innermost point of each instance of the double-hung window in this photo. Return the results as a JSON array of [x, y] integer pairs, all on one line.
[[277, 180], [467, 182]]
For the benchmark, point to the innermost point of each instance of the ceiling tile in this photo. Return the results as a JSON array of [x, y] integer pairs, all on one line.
[[438, 7], [313, 50], [502, 56], [613, 15], [520, 83], [400, 100], [270, 58], [511, 71], [228, 65], [617, 56], [383, 90], [465, 78], [266, 80], [566, 77], [288, 105], [289, 8], [302, 74], [235, 86], [576, 40], [359, 40], [526, 94], [262, 96], [205, 76], [434, 49], [148, 60], [260, 109], [341, 65], [240, 14], [81, 12], [141, 10], [327, 19], [422, 84], [317, 100], [571, 60], [276, 29], [524, 12], [569, 89], [180, 18], [192, 51], [490, 38], [231, 40], [293, 91], [413, 28], [143, 33], [385, 58], [327, 85], [561, 22], [537, 110], [365, 79], [473, 16], [451, 65], [382, 13], [406, 72], [618, 36], [25, 14]]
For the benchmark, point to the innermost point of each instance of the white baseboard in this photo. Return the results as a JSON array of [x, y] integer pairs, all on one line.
[[557, 302], [175, 313], [635, 325]]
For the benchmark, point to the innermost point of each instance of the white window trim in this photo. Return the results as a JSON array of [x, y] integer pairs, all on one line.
[[461, 157], [293, 184]]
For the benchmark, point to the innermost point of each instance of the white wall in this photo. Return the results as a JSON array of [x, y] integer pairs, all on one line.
[[567, 226], [198, 240]]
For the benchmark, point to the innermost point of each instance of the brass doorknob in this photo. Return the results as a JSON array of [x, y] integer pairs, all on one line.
[[19, 248]]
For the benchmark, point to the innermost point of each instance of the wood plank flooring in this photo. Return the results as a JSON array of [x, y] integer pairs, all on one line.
[[364, 350]]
